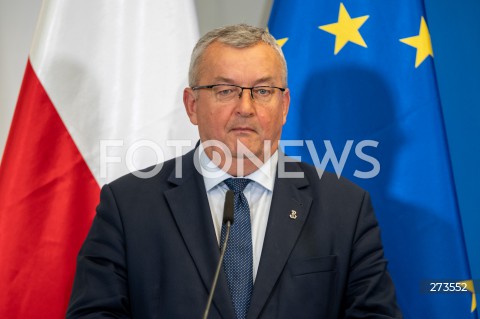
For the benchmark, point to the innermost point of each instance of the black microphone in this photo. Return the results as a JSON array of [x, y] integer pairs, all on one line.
[[228, 209], [228, 220]]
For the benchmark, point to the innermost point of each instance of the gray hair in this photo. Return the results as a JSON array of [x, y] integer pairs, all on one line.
[[237, 36]]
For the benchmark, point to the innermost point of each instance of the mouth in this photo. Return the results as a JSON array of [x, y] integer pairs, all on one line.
[[242, 130]]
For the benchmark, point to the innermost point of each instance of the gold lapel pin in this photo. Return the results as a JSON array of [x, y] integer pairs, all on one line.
[[293, 214]]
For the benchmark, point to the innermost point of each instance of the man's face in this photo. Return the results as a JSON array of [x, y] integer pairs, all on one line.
[[241, 119]]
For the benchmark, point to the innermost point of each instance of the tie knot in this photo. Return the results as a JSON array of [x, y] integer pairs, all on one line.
[[237, 185]]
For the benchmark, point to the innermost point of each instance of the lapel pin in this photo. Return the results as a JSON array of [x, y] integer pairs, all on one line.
[[293, 214]]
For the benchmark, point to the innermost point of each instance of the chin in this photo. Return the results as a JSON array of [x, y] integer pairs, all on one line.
[[251, 152]]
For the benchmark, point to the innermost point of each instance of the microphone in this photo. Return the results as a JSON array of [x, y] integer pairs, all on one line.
[[228, 209], [228, 220]]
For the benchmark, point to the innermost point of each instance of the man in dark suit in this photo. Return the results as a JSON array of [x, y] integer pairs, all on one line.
[[310, 245]]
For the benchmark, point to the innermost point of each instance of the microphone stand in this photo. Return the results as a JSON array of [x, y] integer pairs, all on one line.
[[228, 219]]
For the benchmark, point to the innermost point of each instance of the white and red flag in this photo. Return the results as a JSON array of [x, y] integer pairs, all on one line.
[[102, 89]]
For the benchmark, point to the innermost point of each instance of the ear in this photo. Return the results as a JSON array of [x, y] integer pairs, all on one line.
[[190, 102], [285, 104]]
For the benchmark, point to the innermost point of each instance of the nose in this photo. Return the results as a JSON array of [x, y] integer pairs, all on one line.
[[243, 89], [245, 103]]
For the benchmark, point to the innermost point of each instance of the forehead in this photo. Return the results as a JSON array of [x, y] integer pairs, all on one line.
[[240, 64]]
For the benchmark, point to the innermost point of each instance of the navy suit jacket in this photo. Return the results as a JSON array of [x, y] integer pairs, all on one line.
[[152, 252]]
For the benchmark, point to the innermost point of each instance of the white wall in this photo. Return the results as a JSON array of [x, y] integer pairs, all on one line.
[[216, 13], [17, 24]]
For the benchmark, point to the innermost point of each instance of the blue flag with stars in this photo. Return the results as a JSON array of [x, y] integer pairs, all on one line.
[[364, 104]]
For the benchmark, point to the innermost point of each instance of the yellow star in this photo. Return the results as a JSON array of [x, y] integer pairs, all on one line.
[[282, 41], [421, 42], [346, 29], [469, 286]]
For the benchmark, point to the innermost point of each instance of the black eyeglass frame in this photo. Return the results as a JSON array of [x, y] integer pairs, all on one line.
[[211, 86]]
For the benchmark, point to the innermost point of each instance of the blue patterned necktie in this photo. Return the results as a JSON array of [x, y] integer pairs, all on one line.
[[238, 260]]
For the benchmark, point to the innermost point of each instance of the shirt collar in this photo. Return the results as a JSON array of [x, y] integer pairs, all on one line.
[[213, 175]]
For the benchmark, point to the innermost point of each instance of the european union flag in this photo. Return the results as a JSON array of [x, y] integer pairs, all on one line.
[[364, 92]]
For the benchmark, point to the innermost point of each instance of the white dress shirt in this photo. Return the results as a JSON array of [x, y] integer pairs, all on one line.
[[258, 193]]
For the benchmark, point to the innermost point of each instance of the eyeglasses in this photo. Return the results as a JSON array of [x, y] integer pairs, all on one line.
[[227, 92]]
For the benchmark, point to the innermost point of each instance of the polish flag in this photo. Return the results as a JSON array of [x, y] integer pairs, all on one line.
[[101, 95]]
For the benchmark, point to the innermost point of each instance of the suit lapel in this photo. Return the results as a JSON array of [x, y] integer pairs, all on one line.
[[194, 220], [289, 209]]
